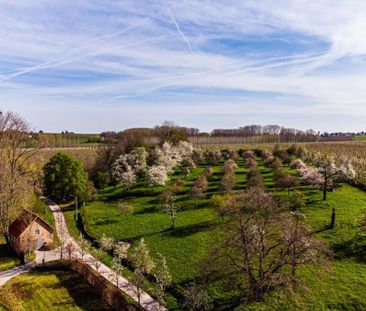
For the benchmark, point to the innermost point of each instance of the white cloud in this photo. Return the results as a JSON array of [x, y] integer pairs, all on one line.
[[127, 53]]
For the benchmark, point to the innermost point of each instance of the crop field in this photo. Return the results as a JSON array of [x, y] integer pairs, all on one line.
[[199, 228], [87, 155]]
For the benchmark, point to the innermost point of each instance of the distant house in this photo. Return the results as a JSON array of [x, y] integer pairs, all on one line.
[[29, 232]]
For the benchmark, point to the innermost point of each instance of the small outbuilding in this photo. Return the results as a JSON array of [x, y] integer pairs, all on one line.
[[29, 232]]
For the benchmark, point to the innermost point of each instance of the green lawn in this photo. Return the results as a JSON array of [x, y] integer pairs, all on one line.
[[198, 227], [41, 209], [50, 290], [8, 259]]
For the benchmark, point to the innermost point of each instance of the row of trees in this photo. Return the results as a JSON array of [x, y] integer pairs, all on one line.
[[272, 130]]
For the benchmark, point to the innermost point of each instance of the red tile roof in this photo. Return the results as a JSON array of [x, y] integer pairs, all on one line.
[[23, 221]]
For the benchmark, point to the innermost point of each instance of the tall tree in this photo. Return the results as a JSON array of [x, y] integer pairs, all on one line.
[[265, 245], [65, 176], [162, 276], [167, 199], [15, 182], [170, 132]]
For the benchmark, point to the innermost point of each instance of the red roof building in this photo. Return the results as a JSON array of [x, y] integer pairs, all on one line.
[[29, 232]]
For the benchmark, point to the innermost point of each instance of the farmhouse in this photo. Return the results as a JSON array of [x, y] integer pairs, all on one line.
[[29, 232]]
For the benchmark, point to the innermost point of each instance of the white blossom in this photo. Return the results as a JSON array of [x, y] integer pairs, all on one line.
[[157, 175]]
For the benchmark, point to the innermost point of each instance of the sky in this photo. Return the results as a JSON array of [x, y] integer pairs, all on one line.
[[92, 66]]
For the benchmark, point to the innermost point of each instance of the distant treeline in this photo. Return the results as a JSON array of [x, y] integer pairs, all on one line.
[[60, 140], [243, 135]]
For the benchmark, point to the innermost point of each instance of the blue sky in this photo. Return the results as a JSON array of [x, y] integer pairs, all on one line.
[[91, 66]]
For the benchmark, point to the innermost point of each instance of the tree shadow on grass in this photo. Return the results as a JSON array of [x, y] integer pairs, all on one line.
[[221, 304], [181, 232], [148, 210], [105, 222], [6, 251], [128, 195], [227, 304], [83, 295], [354, 248]]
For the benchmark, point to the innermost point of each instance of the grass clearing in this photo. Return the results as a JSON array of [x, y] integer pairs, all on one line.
[[51, 290]]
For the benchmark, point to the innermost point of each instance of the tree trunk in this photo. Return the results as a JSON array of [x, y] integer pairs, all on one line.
[[332, 221], [325, 186]]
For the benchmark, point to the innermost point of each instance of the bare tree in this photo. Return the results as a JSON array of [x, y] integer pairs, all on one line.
[[63, 235], [196, 299], [117, 269], [162, 276], [167, 199], [228, 182], [137, 284], [84, 246], [219, 202], [97, 257], [284, 180], [70, 250], [265, 246], [143, 264], [15, 185], [254, 179], [169, 132]]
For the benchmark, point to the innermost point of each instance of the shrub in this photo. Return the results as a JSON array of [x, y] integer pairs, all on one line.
[[229, 166], [255, 179], [228, 182], [208, 171], [100, 179], [213, 156]]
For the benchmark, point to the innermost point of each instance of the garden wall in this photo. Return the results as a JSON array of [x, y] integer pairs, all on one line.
[[110, 293]]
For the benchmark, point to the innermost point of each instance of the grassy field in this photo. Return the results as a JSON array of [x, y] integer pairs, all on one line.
[[41, 209], [359, 137], [50, 290], [198, 227]]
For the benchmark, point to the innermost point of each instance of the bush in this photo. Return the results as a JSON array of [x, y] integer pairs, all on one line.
[[275, 164], [255, 179], [283, 155], [100, 179], [228, 182]]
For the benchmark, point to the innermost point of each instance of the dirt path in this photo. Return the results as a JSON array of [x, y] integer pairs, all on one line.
[[9, 274]]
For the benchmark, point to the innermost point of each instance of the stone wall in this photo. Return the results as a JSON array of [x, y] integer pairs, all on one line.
[[110, 293]]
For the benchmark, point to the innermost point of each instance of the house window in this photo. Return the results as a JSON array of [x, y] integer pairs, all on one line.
[[36, 232]]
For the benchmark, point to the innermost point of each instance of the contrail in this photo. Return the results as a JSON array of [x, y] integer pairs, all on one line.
[[70, 56], [180, 31]]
